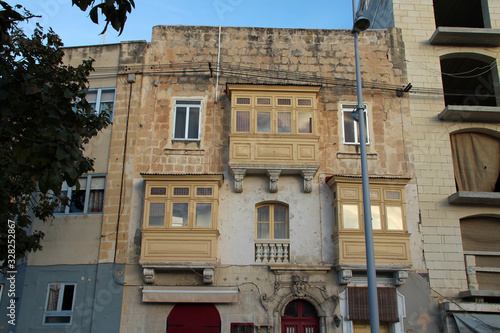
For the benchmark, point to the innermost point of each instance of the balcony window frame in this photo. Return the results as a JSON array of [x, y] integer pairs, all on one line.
[[88, 188], [188, 104], [383, 202], [259, 102], [169, 198]]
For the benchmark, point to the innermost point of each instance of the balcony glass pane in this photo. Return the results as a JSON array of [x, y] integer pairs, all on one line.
[[394, 217], [156, 214], [376, 224], [284, 122], [203, 214], [263, 122], [243, 121], [180, 214], [351, 216], [305, 122]]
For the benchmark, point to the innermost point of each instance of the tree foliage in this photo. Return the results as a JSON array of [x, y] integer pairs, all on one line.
[[45, 121], [115, 12]]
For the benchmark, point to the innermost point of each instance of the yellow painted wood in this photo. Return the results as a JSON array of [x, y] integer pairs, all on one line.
[[179, 246]]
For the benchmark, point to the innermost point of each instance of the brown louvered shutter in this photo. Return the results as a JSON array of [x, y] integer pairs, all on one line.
[[359, 308]]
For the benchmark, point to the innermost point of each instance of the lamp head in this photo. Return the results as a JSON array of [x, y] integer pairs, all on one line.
[[361, 23]]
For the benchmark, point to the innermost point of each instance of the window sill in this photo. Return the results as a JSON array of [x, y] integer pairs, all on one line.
[[470, 198], [479, 293], [485, 114], [465, 36]]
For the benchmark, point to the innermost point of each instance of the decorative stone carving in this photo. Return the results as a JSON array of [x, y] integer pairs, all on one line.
[[345, 276], [400, 277], [208, 275], [308, 177], [299, 287], [239, 174], [149, 275], [273, 180]]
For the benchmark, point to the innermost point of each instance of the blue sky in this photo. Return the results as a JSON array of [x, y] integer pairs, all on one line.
[[75, 27]]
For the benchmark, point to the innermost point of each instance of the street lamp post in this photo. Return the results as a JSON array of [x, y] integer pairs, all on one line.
[[361, 23]]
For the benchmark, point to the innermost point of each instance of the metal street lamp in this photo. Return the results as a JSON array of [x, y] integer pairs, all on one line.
[[361, 23]]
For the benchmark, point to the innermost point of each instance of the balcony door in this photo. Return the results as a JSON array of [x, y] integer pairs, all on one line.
[[300, 317], [194, 318]]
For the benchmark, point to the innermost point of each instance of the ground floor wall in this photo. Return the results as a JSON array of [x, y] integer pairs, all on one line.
[[264, 292], [96, 304]]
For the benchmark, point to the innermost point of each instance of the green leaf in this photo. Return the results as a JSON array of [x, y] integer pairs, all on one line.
[[61, 154], [21, 153], [93, 15]]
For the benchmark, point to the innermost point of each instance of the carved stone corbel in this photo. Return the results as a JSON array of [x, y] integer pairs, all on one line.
[[345, 276], [149, 275], [273, 180], [308, 177], [208, 275], [239, 174], [400, 277]]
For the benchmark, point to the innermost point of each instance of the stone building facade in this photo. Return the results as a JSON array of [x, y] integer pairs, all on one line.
[[233, 193]]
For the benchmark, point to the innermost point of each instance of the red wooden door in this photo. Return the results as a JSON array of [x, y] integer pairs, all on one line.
[[300, 317], [194, 318]]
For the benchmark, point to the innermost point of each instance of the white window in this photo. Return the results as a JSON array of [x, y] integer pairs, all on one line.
[[102, 99], [59, 303], [89, 198], [350, 126], [187, 120]]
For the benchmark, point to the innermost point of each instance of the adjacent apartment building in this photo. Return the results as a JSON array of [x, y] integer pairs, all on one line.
[[452, 52], [227, 193]]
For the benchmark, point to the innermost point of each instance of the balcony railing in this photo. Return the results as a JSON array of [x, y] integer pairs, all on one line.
[[272, 250]]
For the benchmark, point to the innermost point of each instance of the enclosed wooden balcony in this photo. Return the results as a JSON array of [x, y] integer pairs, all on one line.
[[273, 132]]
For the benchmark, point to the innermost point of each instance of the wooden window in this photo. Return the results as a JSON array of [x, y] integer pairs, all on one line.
[[357, 298], [278, 113], [175, 204], [243, 121], [271, 221], [388, 210]]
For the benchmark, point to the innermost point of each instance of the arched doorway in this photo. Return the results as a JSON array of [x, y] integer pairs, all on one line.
[[300, 317], [194, 318]]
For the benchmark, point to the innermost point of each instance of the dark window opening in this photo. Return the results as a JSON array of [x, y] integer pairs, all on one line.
[[242, 328], [468, 81], [459, 13], [481, 244]]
